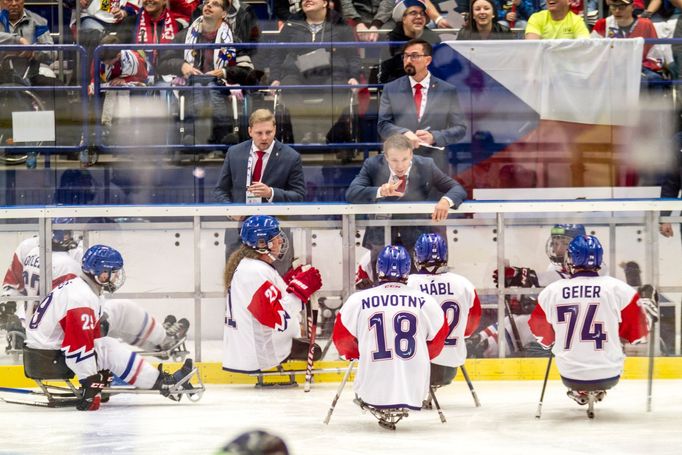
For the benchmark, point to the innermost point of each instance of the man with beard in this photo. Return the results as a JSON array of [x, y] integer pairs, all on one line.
[[411, 25], [422, 107]]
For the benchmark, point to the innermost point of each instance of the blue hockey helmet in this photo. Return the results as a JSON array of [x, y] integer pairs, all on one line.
[[62, 239], [393, 263], [102, 259], [559, 238], [430, 250], [584, 252], [258, 231]]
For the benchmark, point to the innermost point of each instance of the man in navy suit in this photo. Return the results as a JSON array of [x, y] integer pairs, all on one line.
[[260, 170], [439, 121], [397, 175]]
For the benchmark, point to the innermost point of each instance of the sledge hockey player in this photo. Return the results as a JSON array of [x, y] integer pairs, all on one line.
[[394, 331], [262, 317], [584, 317], [70, 319], [122, 319], [23, 275], [519, 339], [457, 297]]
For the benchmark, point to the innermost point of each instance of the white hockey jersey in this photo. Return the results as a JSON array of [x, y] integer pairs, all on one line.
[[584, 317], [394, 330], [457, 297], [23, 275], [261, 318], [68, 319]]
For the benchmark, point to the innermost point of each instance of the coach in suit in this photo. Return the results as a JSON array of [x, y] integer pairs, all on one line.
[[397, 175], [260, 170], [422, 107]]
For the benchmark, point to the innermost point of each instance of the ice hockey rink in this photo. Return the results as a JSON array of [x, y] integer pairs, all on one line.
[[504, 424]]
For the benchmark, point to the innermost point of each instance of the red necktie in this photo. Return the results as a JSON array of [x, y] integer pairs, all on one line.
[[403, 183], [418, 99], [258, 168]]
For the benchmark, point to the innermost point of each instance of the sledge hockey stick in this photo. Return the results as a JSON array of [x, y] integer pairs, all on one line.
[[338, 392], [471, 386], [312, 328], [436, 404], [544, 385]]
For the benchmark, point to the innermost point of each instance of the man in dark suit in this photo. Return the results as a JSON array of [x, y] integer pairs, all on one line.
[[398, 175], [260, 170], [422, 107]]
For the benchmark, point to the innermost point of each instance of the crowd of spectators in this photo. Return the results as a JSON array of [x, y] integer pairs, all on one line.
[[230, 23]]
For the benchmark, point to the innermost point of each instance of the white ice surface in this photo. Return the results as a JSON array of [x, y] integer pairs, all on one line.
[[505, 424]]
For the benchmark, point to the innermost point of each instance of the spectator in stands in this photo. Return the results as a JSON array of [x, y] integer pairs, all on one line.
[[484, 24], [315, 111], [260, 170], [514, 13], [410, 24], [119, 68], [30, 67], [156, 23], [397, 175], [29, 28], [367, 16], [244, 24], [556, 22], [422, 107], [622, 23], [209, 67]]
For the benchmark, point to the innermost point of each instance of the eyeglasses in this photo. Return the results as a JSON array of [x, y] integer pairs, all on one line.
[[214, 4], [415, 14], [413, 56]]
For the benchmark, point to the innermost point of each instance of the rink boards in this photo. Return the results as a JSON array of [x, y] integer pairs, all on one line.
[[511, 369]]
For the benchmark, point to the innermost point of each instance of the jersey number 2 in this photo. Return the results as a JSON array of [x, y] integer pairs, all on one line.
[[405, 328]]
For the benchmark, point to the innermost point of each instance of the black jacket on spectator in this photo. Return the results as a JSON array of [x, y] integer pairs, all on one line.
[[392, 67], [345, 60], [499, 32]]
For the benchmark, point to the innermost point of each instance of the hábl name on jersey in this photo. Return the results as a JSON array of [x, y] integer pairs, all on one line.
[[434, 288]]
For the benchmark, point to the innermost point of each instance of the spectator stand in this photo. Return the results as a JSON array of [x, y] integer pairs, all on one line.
[[20, 114]]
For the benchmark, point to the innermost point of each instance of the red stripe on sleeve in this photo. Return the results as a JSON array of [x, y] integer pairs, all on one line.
[[265, 306], [474, 316], [633, 326], [435, 345], [345, 342], [540, 327]]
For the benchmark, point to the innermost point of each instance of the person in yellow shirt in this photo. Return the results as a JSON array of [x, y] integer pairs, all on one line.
[[556, 22]]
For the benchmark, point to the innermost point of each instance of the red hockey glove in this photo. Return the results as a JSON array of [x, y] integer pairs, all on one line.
[[522, 277], [92, 390], [305, 284], [291, 273]]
